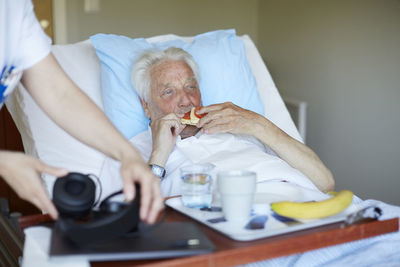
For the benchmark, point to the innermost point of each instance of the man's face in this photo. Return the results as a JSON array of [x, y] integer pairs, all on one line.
[[174, 89]]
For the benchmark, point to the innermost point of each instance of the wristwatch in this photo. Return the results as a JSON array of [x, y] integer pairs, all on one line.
[[157, 170]]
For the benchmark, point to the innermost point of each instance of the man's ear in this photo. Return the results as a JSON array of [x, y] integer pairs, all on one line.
[[145, 108]]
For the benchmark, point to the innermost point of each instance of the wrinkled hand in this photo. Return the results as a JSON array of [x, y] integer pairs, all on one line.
[[22, 173], [227, 117], [134, 169], [165, 131]]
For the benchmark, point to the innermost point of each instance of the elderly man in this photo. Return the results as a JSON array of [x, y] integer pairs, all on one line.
[[228, 136]]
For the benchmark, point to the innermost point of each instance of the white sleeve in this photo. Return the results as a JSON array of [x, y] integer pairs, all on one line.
[[110, 177], [34, 44]]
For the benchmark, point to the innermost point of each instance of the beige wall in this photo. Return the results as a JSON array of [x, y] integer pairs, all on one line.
[[144, 18], [343, 58]]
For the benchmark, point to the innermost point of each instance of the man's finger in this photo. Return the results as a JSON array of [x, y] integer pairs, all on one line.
[[214, 128], [207, 109], [210, 123], [211, 116]]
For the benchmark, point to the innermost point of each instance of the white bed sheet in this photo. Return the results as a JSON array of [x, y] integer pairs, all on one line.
[[225, 151]]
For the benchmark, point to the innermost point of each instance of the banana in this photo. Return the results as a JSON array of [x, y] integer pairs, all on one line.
[[316, 209]]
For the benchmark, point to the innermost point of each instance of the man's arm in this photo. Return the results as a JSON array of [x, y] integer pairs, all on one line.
[[228, 117], [72, 110]]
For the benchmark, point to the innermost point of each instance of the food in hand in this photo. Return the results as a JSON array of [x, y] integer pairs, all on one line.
[[315, 209], [191, 117]]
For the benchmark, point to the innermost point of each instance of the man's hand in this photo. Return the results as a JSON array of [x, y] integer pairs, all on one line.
[[165, 131], [227, 117], [22, 173], [134, 169]]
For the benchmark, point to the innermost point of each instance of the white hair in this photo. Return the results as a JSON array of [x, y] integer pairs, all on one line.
[[140, 74]]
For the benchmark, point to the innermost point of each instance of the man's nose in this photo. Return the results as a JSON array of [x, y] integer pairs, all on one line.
[[184, 99]]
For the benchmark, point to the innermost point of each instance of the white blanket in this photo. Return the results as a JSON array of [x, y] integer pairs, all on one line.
[[225, 151]]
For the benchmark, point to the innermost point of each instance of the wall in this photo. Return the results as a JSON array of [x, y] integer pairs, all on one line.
[[144, 18], [343, 58]]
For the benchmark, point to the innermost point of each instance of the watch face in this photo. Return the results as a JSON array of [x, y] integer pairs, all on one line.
[[158, 171]]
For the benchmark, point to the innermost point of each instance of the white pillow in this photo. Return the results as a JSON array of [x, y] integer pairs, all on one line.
[[45, 140]]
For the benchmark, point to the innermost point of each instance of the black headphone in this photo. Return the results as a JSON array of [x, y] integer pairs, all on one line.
[[74, 198]]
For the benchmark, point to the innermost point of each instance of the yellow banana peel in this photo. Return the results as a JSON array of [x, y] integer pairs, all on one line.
[[314, 210]]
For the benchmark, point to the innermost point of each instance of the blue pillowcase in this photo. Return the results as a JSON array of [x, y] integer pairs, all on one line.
[[225, 74]]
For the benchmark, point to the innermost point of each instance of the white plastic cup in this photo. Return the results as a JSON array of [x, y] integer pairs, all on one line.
[[196, 186], [236, 189]]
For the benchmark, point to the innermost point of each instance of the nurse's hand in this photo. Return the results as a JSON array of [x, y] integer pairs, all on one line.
[[135, 170], [22, 173]]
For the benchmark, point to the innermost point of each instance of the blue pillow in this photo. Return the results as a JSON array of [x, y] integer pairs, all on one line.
[[225, 74]]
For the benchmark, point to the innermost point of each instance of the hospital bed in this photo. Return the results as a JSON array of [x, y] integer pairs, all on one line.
[[45, 140]]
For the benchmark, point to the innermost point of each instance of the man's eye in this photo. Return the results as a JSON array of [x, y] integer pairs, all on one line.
[[191, 87], [167, 92]]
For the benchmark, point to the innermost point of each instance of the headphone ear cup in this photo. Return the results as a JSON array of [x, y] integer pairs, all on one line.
[[74, 195]]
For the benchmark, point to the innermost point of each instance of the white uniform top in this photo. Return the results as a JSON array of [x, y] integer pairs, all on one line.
[[23, 43], [226, 151]]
